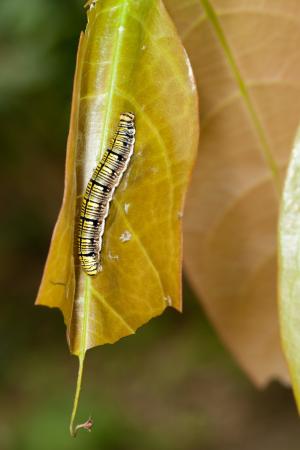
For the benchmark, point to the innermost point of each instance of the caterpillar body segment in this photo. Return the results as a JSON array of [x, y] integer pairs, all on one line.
[[99, 193]]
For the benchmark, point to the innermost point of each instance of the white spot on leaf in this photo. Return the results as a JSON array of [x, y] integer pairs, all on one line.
[[112, 257], [168, 300], [125, 237]]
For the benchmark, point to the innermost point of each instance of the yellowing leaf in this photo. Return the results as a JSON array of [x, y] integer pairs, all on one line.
[[245, 56], [129, 59], [289, 268]]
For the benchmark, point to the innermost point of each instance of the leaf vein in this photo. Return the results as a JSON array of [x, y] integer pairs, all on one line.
[[267, 153], [111, 309]]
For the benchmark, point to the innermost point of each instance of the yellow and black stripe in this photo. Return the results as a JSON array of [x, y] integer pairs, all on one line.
[[99, 192]]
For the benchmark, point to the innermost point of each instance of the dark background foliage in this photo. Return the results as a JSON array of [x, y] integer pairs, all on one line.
[[172, 385]]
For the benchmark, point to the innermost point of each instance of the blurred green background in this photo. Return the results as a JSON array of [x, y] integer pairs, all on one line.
[[172, 385]]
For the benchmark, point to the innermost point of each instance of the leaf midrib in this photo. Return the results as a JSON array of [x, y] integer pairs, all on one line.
[[266, 150], [113, 76], [104, 137]]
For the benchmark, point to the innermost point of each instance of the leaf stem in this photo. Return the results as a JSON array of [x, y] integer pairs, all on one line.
[[89, 423]]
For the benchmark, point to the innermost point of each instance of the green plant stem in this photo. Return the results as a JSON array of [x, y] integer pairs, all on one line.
[[89, 423]]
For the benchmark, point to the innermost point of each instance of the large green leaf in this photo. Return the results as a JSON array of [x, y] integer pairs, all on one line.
[[130, 59], [289, 268], [245, 56]]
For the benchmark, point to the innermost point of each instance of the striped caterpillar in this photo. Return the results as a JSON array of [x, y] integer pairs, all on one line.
[[99, 192]]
